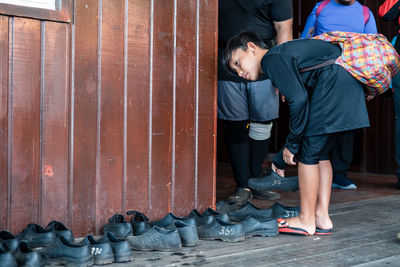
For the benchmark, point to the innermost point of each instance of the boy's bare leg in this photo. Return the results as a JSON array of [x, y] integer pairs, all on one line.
[[324, 194], [309, 179]]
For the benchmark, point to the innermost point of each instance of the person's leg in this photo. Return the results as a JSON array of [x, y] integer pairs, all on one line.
[[396, 98], [259, 142], [323, 220], [233, 109], [309, 180], [237, 142], [263, 107], [341, 157], [315, 177]]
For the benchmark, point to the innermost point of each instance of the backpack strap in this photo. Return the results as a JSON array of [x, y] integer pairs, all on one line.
[[322, 6], [365, 14], [320, 65]]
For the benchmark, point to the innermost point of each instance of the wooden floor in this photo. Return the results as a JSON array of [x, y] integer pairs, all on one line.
[[366, 223]]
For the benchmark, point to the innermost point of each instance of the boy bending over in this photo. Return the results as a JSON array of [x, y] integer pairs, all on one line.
[[324, 103]]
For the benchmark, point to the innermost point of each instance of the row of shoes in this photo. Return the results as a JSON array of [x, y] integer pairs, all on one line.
[[172, 232], [36, 246]]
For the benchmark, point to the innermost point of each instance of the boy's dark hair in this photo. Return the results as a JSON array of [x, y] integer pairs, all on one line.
[[240, 40]]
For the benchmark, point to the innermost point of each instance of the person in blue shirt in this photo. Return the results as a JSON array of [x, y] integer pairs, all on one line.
[[347, 16], [339, 15]]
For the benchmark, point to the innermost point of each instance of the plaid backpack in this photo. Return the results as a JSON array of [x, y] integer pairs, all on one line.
[[370, 58]]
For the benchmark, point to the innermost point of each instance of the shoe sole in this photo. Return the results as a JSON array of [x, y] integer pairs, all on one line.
[[273, 188], [278, 186], [78, 262], [105, 259], [270, 197], [157, 249], [123, 256], [229, 240], [189, 244], [264, 233], [347, 187]]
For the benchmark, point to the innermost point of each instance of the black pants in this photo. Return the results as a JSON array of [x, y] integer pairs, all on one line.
[[246, 155], [342, 154]]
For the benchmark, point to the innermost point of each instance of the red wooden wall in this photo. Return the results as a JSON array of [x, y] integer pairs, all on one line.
[[111, 110]]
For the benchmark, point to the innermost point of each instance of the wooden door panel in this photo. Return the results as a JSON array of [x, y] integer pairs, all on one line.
[[4, 120], [55, 124], [25, 144]]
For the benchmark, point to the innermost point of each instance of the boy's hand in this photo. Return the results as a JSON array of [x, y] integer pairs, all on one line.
[[280, 172], [288, 157]]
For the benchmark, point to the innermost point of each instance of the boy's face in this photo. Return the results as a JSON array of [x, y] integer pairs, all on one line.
[[246, 63]]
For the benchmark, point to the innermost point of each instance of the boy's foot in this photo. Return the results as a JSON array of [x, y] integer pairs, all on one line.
[[323, 224], [343, 183], [398, 184], [295, 223]]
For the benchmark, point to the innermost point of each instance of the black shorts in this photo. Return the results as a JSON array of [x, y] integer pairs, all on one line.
[[317, 148]]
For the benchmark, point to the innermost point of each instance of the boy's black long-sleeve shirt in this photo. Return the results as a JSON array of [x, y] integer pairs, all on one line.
[[321, 101]]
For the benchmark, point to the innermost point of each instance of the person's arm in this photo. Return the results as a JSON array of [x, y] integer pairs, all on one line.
[[281, 12], [284, 30], [389, 10], [309, 28], [284, 74], [370, 27]]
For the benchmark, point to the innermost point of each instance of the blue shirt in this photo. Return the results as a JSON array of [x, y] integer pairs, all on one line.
[[337, 17]]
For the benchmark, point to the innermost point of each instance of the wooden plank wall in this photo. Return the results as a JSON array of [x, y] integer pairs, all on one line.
[[112, 112]]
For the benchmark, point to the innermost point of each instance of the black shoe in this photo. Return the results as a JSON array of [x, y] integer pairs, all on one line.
[[139, 221], [121, 248], [342, 182], [118, 226], [249, 209], [274, 182], [200, 219], [36, 236], [67, 253], [281, 211], [265, 194], [25, 256], [9, 242], [102, 252], [187, 233], [156, 239], [222, 216], [168, 221], [241, 196], [6, 258], [219, 230], [254, 227], [398, 184], [225, 207], [60, 230]]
